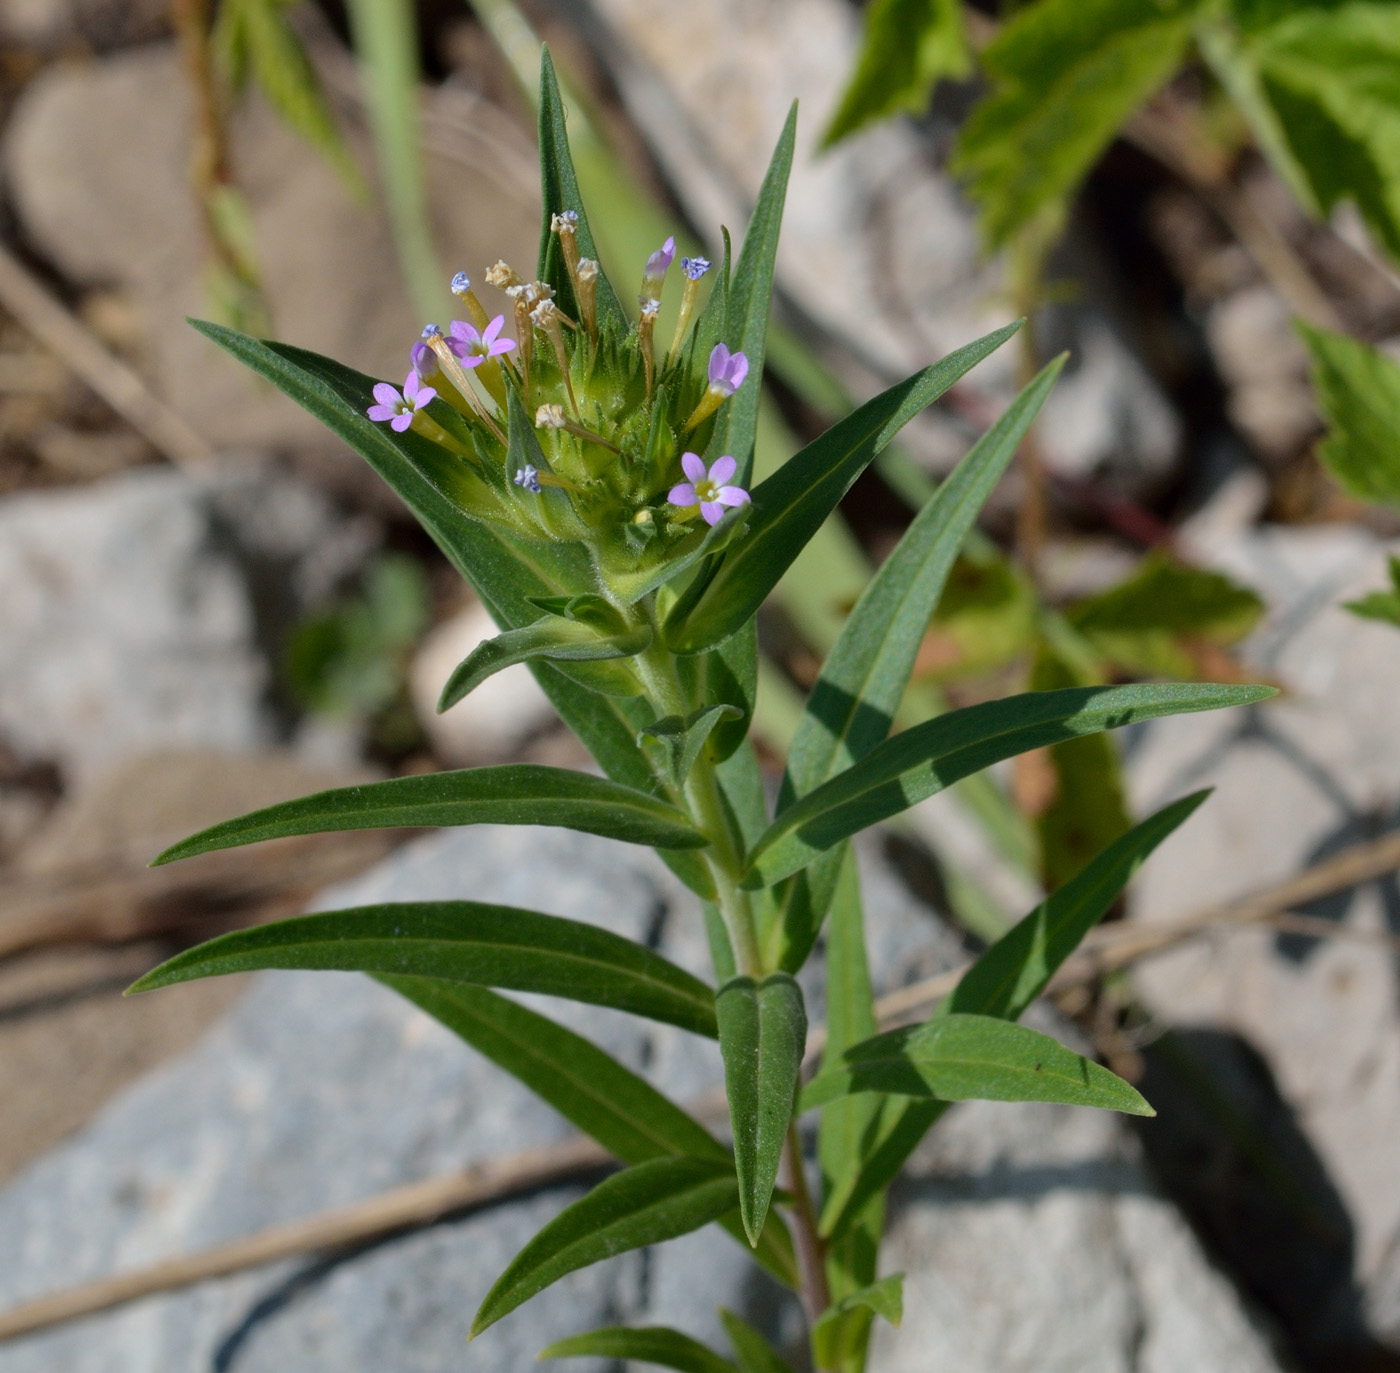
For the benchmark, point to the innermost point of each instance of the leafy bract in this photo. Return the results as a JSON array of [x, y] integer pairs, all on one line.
[[762, 1035], [1004, 982], [462, 941], [790, 506], [1358, 391], [960, 1057], [648, 1204], [513, 794], [679, 738], [552, 638], [906, 46], [654, 1344], [923, 760], [559, 187], [1065, 76]]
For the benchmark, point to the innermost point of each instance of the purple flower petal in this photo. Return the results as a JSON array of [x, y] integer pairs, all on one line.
[[683, 494], [692, 464], [723, 469], [400, 422], [501, 345], [425, 394], [386, 394], [732, 495], [712, 511], [488, 334], [380, 413], [424, 360], [464, 332], [411, 383], [738, 370], [719, 362]]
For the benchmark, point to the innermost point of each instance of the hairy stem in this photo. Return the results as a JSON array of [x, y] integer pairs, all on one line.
[[802, 1220]]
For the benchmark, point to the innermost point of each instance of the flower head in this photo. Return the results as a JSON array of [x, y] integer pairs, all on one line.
[[708, 490], [727, 370], [695, 267], [461, 284], [474, 346], [398, 409], [660, 261], [529, 478]]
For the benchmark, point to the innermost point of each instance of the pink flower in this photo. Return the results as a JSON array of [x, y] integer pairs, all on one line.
[[708, 490], [660, 261], [399, 410], [474, 347], [727, 370]]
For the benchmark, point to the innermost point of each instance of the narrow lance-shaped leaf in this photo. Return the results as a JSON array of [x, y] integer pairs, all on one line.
[[1004, 982], [762, 1034], [653, 1202], [790, 506], [748, 304], [864, 677], [904, 770], [753, 1352], [653, 1344], [551, 638], [831, 1335], [514, 794], [560, 192], [679, 738], [959, 1057], [461, 941]]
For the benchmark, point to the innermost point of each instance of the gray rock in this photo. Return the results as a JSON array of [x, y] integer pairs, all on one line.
[[879, 246], [1295, 780], [320, 1089], [134, 612], [96, 156]]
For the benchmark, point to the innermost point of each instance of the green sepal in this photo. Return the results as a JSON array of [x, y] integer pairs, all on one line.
[[762, 1036], [680, 738]]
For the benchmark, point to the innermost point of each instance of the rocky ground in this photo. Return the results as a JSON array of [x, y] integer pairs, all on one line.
[[145, 613]]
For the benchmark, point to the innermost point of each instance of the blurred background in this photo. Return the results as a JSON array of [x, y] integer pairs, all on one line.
[[208, 603]]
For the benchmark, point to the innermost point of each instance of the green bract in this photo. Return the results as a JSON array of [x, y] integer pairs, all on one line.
[[591, 482]]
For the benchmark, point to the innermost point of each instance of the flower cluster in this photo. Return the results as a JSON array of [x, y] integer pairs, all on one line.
[[581, 427]]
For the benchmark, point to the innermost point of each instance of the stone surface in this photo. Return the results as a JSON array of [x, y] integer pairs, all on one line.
[[1296, 779], [879, 247], [96, 157], [320, 1089], [136, 613], [497, 719]]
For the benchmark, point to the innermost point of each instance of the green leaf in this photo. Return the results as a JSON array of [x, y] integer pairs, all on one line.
[[514, 794], [1154, 623], [754, 1353], [1065, 74], [904, 770], [1381, 605], [747, 304], [552, 638], [863, 679], [654, 1344], [762, 1035], [461, 941], [289, 82], [906, 46], [959, 1057], [1358, 391], [648, 1204], [588, 1087], [831, 1335], [682, 737], [559, 184], [1004, 982], [1328, 78], [789, 507]]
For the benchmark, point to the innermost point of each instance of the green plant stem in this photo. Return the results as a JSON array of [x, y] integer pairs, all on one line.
[[702, 799], [811, 1251]]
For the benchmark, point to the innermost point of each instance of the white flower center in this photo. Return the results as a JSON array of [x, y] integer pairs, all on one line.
[[706, 490]]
